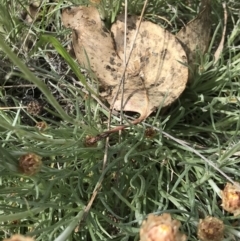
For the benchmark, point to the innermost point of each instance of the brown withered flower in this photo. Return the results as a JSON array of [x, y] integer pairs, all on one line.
[[231, 199], [210, 229], [42, 125], [161, 228], [90, 141], [30, 164], [34, 107], [150, 133], [18, 237]]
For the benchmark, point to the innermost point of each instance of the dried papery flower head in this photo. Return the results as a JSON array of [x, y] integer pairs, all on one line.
[[42, 125], [30, 164], [18, 237], [90, 141], [34, 107], [161, 228], [210, 229], [150, 133], [231, 199]]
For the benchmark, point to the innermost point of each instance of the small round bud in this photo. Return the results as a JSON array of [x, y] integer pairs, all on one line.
[[90, 141], [34, 107], [150, 133], [30, 164], [210, 229], [42, 125]]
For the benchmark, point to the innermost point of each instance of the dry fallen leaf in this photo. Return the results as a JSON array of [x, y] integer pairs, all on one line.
[[195, 35], [156, 74]]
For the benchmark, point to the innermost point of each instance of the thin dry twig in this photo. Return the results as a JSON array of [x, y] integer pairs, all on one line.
[[13, 107], [125, 64]]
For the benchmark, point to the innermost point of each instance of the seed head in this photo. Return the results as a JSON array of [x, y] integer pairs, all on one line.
[[231, 199], [150, 133], [210, 229], [30, 164], [42, 125], [34, 107], [90, 141], [161, 228]]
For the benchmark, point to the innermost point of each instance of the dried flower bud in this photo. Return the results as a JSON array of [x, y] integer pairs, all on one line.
[[210, 229], [231, 199], [30, 164], [42, 125], [150, 133], [161, 228], [90, 141], [18, 237], [34, 107]]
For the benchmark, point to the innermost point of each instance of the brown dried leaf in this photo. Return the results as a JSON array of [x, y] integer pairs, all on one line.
[[154, 75], [195, 35]]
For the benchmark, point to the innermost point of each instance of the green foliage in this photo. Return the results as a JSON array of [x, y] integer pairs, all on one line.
[[165, 173]]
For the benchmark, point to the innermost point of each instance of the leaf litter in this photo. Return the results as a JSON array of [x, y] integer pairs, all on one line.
[[155, 75], [195, 36], [157, 71]]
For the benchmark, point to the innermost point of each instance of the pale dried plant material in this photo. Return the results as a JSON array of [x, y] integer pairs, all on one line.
[[210, 229], [34, 107], [150, 133], [95, 1], [32, 12], [219, 50], [156, 74], [18, 237], [41, 126], [88, 142], [30, 164], [161, 228], [195, 36], [231, 199]]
